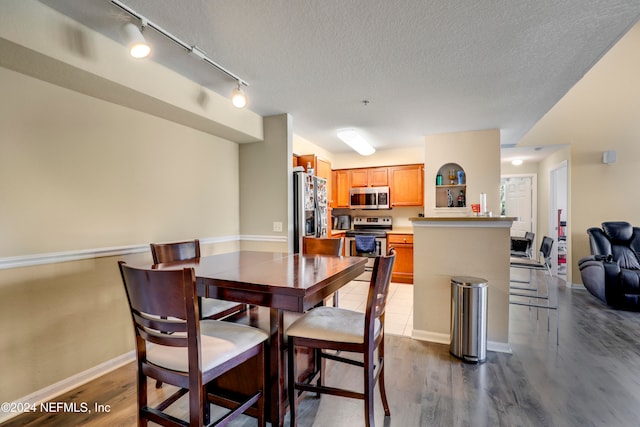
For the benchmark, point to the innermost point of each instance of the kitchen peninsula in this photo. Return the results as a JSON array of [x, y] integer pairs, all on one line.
[[460, 246]]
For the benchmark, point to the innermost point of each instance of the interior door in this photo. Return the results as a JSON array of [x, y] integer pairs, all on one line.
[[518, 203]]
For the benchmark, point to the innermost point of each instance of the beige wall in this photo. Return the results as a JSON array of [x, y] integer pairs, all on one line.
[[78, 174], [82, 174], [302, 146], [478, 153], [599, 113], [397, 156], [266, 185], [460, 248]]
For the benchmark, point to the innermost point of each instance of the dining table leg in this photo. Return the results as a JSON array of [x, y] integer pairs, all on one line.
[[276, 393]]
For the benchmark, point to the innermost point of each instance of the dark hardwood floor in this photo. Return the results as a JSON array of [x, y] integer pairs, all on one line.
[[591, 379]]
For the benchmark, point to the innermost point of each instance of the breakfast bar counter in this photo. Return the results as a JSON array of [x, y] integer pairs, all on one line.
[[460, 246]]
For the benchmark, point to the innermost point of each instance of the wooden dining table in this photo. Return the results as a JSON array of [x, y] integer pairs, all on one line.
[[280, 281]]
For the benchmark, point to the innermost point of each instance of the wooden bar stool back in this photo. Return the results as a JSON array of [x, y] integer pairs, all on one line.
[[324, 246], [210, 308], [338, 329], [174, 346]]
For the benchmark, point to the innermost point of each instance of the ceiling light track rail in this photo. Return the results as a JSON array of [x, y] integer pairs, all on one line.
[[145, 22]]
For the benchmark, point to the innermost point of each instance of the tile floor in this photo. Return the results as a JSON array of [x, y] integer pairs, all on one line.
[[399, 317]]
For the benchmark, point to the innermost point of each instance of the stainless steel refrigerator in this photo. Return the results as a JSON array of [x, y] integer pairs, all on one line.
[[309, 208]]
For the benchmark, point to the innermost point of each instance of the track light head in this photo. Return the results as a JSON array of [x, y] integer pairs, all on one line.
[[238, 98], [138, 47]]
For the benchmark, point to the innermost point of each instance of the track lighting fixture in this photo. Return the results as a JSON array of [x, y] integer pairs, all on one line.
[[354, 140], [238, 98], [138, 47]]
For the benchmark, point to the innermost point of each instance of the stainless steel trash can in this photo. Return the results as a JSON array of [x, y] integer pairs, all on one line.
[[469, 319]]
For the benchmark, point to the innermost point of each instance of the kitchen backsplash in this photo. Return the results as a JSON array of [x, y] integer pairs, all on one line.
[[400, 215]]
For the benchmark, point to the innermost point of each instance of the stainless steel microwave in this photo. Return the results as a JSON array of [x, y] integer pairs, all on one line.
[[370, 198]]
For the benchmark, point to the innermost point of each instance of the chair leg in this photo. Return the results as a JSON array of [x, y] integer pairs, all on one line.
[[368, 390], [383, 392], [158, 384], [199, 411], [293, 400], [335, 299], [262, 372], [142, 397]]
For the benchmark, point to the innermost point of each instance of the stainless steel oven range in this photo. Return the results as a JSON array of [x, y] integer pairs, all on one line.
[[368, 238]]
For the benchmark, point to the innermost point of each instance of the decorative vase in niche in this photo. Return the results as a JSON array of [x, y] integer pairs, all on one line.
[[449, 198], [460, 177]]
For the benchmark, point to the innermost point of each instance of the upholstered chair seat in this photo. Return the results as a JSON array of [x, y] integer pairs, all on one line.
[[220, 342]]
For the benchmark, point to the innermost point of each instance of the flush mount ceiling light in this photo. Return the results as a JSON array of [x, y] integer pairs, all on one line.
[[516, 162], [133, 33], [238, 98], [354, 140], [138, 46]]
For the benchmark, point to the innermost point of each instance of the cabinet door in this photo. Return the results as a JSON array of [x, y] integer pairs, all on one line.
[[341, 186], [323, 170], [403, 267], [406, 185], [359, 177], [378, 177]]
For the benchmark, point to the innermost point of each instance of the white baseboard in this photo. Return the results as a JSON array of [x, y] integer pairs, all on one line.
[[54, 390], [499, 347], [439, 338], [429, 336]]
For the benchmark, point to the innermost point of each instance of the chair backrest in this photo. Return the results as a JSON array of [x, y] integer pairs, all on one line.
[[618, 240], [322, 245], [378, 292], [178, 251], [163, 306], [545, 250]]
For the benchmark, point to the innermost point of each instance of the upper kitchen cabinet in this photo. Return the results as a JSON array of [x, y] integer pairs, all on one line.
[[370, 177], [322, 167], [406, 185], [341, 185]]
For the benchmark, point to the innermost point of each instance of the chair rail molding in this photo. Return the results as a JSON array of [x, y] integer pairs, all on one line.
[[56, 257]]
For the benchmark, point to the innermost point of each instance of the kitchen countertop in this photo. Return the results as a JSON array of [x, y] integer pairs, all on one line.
[[462, 219], [401, 230], [395, 230]]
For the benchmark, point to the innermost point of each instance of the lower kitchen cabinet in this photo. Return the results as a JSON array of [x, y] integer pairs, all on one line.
[[403, 267]]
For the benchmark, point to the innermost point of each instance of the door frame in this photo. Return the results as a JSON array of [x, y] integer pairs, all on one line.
[[554, 194]]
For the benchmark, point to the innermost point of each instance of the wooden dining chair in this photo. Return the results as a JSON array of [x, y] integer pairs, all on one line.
[[332, 328], [210, 308], [194, 352], [324, 246]]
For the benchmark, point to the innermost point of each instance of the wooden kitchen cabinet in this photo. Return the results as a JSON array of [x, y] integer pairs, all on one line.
[[403, 267], [359, 178], [370, 177], [341, 183], [406, 185]]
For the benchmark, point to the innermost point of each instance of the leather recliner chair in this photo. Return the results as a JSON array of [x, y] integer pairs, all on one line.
[[612, 271]]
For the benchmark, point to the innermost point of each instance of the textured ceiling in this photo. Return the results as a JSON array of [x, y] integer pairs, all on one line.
[[426, 67]]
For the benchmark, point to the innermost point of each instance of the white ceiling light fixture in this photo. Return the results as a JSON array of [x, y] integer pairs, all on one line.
[[132, 32], [354, 140], [138, 46], [516, 162], [238, 98]]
